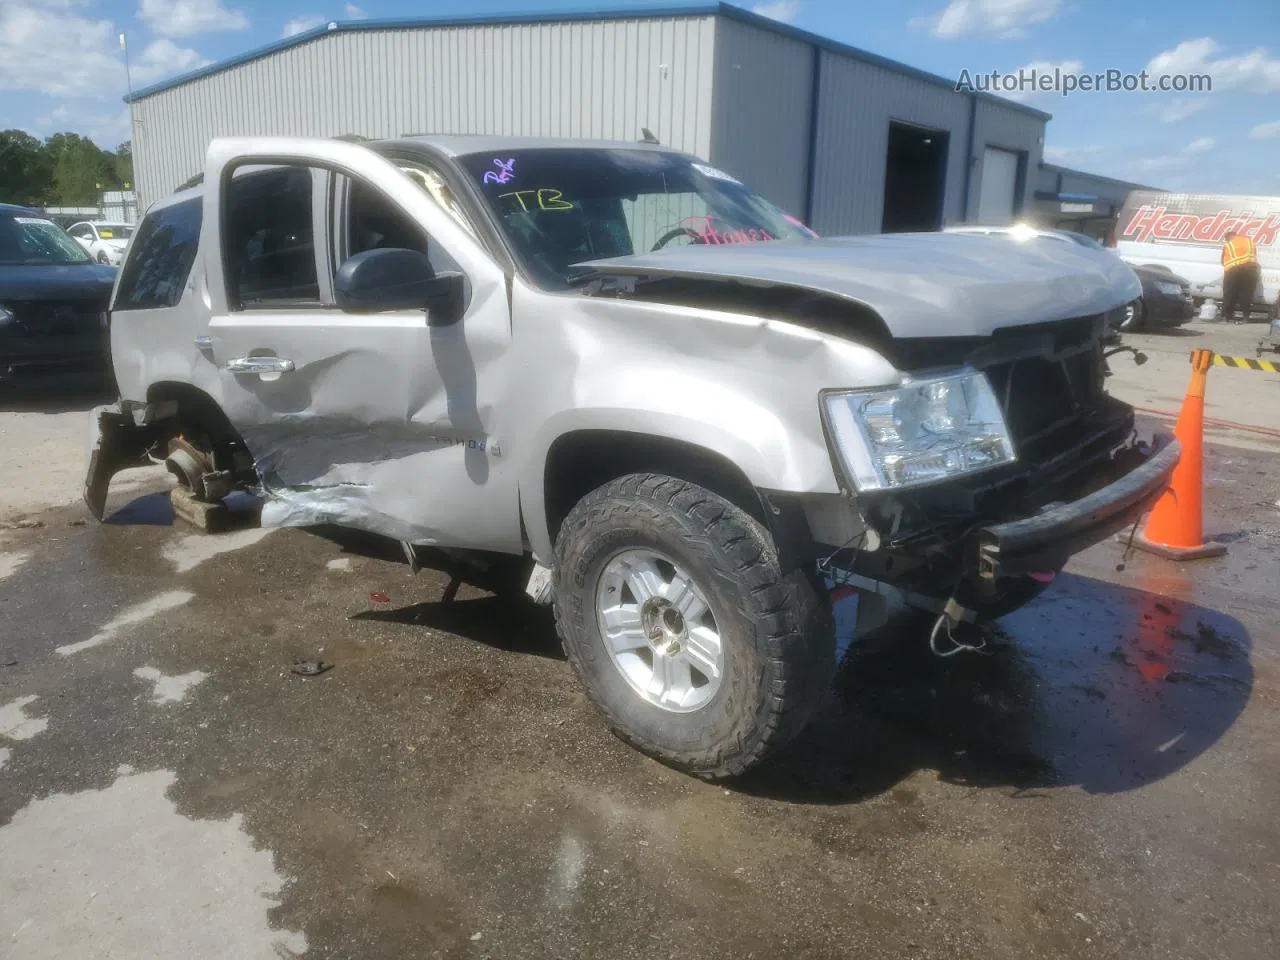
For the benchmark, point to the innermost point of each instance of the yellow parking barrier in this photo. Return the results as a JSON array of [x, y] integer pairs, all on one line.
[[1246, 363]]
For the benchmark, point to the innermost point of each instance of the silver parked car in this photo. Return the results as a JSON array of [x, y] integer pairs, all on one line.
[[679, 408]]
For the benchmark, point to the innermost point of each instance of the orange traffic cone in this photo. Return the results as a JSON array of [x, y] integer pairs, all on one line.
[[1175, 528]]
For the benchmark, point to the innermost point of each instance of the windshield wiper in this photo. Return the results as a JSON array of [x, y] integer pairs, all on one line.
[[576, 274]]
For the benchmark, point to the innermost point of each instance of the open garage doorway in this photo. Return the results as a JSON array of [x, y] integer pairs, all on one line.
[[915, 178]]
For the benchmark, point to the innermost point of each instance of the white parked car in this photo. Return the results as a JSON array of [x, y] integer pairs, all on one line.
[[106, 242]]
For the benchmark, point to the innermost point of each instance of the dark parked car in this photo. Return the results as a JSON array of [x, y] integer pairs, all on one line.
[[1166, 301], [53, 300]]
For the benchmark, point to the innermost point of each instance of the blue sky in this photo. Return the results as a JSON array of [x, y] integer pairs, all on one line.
[[61, 65]]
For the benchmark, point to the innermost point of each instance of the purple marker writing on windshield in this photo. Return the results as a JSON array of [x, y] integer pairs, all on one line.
[[506, 171]]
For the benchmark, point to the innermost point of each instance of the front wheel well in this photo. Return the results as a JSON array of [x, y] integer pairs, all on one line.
[[580, 462]]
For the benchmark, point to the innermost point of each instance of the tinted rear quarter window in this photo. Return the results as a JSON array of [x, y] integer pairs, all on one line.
[[160, 258]]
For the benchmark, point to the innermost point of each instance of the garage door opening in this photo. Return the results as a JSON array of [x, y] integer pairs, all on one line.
[[915, 178]]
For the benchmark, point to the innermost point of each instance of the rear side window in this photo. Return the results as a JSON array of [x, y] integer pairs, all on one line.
[[159, 262]]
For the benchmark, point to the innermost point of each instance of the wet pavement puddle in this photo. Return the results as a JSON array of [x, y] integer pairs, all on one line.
[[120, 868]]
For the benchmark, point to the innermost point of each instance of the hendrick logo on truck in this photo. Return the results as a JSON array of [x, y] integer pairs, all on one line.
[[1156, 224]]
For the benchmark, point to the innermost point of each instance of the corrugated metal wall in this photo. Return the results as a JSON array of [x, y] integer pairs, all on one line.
[[580, 79], [761, 110], [737, 93], [1009, 129], [761, 127], [857, 101]]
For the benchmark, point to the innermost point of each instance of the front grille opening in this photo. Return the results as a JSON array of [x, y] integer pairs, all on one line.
[[1047, 376], [1039, 395]]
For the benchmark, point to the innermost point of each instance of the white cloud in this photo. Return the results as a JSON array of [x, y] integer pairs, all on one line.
[[1255, 71], [308, 21], [1266, 131], [1001, 18], [183, 18], [1159, 162], [1199, 146], [106, 129], [59, 54], [1176, 110], [162, 58], [49, 48], [1063, 154], [68, 56], [352, 12], [1039, 68], [54, 117], [781, 10]]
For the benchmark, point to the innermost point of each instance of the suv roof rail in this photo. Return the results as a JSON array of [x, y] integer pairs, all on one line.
[[351, 138], [193, 182]]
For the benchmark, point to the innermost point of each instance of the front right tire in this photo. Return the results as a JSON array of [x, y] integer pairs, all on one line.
[[698, 649]]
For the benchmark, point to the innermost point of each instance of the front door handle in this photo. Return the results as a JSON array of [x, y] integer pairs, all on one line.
[[260, 365]]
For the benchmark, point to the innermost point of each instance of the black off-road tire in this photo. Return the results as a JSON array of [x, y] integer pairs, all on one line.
[[776, 629]]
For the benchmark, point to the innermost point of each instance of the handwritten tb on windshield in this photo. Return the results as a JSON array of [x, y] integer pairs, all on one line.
[[545, 197], [504, 174]]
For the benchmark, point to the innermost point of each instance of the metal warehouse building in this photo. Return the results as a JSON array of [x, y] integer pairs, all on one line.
[[851, 142], [1081, 201]]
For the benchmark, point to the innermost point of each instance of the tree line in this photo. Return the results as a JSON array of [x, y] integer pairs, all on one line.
[[64, 170]]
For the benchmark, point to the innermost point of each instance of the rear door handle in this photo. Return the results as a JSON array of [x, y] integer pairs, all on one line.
[[260, 365]]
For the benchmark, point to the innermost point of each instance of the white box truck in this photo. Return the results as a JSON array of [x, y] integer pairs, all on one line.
[[1183, 232]]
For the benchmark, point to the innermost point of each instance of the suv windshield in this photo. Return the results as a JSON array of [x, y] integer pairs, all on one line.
[[33, 240], [560, 207]]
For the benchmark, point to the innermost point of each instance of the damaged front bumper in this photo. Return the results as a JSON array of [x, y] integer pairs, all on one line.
[[1049, 539]]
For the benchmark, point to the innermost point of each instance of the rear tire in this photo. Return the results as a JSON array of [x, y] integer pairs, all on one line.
[[773, 630]]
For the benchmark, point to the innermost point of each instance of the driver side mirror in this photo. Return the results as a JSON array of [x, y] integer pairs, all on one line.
[[392, 278]]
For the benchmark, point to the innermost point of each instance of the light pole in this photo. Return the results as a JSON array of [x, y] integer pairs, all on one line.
[[133, 128], [128, 78]]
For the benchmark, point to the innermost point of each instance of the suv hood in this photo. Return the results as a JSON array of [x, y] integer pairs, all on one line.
[[71, 281], [921, 284]]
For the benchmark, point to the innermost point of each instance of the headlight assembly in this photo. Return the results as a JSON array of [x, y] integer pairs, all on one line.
[[1171, 289], [920, 433]]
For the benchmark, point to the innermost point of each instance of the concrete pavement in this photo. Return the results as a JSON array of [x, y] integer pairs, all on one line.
[[1102, 785]]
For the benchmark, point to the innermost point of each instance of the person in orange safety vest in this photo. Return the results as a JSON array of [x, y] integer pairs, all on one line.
[[1239, 276]]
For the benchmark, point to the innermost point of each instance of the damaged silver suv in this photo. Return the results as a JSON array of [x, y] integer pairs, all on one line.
[[684, 411]]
